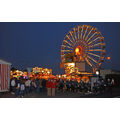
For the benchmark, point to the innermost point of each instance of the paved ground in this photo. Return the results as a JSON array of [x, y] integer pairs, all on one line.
[[115, 94]]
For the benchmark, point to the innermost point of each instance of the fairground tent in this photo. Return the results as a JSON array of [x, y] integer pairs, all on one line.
[[4, 75]]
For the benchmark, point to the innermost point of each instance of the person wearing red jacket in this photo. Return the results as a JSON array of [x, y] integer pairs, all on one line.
[[48, 86], [53, 85]]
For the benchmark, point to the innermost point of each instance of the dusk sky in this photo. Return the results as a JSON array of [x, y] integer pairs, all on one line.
[[38, 44]]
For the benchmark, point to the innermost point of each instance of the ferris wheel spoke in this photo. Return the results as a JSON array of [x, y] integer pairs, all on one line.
[[75, 34], [91, 36], [93, 40], [67, 42], [85, 32], [92, 59], [95, 45], [81, 33], [66, 50], [88, 34], [95, 50], [69, 38], [93, 54], [67, 46], [72, 35], [73, 39], [88, 61]]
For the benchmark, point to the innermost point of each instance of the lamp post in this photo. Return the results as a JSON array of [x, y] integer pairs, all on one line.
[[97, 73]]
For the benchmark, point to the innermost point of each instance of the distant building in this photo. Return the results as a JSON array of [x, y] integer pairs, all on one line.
[[104, 72]]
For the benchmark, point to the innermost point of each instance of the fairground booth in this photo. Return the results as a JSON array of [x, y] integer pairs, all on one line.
[[4, 75]]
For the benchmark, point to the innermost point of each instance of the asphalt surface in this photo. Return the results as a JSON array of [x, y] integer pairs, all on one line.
[[43, 94]]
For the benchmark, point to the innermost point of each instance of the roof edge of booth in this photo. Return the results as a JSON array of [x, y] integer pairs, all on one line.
[[5, 62]]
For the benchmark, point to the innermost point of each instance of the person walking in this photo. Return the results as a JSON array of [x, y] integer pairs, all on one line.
[[18, 83], [48, 86], [17, 92], [80, 87], [72, 86], [67, 85], [112, 85], [32, 86], [41, 85], [13, 86], [83, 87], [76, 85], [22, 89], [57, 85], [61, 85], [53, 84], [27, 86], [37, 85]]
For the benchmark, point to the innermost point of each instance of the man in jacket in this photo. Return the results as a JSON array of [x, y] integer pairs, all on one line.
[[48, 86], [53, 84]]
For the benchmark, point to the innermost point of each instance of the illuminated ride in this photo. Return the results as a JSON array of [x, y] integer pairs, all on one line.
[[41, 73], [82, 45]]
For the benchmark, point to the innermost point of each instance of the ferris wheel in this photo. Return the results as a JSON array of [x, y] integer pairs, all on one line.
[[84, 43]]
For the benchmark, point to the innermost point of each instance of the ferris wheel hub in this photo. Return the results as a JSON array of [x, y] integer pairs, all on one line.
[[79, 50]]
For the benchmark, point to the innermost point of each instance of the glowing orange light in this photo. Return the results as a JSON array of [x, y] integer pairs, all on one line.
[[78, 50], [108, 58]]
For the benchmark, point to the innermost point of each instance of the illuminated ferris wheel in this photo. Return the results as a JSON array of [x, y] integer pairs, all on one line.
[[83, 43]]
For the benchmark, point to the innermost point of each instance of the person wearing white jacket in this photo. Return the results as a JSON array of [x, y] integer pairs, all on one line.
[[22, 89], [13, 84]]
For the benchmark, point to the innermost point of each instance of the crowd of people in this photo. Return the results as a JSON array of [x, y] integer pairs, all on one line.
[[21, 86]]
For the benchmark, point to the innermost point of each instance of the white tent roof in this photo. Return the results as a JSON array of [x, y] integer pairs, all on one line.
[[4, 62]]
